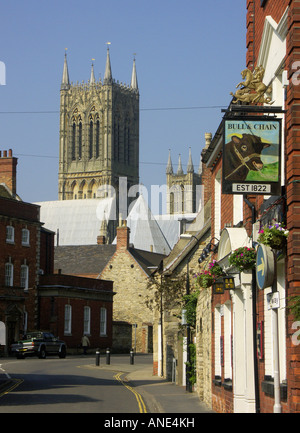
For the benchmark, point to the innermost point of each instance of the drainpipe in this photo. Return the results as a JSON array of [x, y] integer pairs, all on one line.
[[277, 405], [255, 362]]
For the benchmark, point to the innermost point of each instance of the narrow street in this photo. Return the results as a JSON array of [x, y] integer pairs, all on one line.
[[71, 385]]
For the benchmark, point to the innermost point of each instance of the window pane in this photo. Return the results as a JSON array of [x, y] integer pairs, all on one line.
[[103, 321], [10, 234], [68, 317], [86, 324], [25, 236], [8, 274], [24, 276]]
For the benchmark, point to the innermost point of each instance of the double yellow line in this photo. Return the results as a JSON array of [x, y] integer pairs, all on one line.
[[142, 406], [16, 383]]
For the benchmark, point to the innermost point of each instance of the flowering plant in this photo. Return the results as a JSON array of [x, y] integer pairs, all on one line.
[[208, 277], [273, 235], [243, 258]]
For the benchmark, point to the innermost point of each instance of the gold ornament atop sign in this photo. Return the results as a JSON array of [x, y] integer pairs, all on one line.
[[253, 90]]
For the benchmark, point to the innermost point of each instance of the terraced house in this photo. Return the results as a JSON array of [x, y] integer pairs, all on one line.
[[246, 333]]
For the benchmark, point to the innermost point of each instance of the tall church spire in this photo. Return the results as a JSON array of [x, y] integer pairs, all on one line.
[[65, 82], [190, 166], [169, 169], [107, 75], [134, 82]]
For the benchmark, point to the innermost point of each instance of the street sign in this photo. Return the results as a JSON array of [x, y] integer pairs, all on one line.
[[273, 300], [251, 155], [265, 265]]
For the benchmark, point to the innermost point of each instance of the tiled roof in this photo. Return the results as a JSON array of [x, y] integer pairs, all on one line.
[[82, 259]]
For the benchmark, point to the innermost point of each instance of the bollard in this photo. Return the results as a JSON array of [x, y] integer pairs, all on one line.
[[97, 357], [108, 356], [131, 357]]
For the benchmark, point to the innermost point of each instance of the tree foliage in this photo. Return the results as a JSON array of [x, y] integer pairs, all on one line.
[[168, 293]]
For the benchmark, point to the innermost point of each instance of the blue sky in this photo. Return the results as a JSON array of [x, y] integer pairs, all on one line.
[[189, 55]]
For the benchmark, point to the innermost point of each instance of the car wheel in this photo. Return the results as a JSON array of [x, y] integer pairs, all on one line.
[[62, 353], [42, 353]]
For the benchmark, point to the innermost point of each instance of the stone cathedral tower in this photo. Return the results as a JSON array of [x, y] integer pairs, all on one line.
[[99, 134], [182, 194]]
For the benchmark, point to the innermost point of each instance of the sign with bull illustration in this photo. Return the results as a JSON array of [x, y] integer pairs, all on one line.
[[251, 156]]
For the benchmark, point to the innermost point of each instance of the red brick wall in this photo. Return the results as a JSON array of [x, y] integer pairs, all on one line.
[[53, 313], [8, 170], [255, 23], [123, 237]]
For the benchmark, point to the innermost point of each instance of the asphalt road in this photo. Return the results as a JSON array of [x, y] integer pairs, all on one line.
[[71, 385]]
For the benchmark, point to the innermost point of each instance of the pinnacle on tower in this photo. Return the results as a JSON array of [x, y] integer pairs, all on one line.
[[108, 75], [92, 79], [179, 170], [65, 82], [190, 167], [134, 82], [169, 169]]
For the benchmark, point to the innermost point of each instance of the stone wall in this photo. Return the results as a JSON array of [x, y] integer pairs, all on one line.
[[203, 347], [130, 286]]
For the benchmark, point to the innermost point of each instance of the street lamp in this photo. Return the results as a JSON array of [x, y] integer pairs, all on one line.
[[226, 282]]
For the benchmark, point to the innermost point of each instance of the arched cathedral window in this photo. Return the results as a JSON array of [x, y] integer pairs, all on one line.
[[91, 140], [117, 137], [80, 140], [97, 138], [73, 141], [126, 143]]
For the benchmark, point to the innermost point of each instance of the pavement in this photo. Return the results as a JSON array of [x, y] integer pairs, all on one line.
[[159, 395]]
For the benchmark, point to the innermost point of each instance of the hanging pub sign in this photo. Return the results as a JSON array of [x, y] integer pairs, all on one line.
[[252, 155]]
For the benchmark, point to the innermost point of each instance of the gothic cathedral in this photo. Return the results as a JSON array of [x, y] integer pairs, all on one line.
[[99, 134]]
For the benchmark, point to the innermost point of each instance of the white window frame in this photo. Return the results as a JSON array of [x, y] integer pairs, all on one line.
[[24, 276], [68, 320], [103, 322], [227, 341], [87, 320], [10, 234], [9, 274], [25, 237], [217, 324]]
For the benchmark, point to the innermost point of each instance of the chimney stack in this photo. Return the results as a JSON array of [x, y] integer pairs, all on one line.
[[8, 170], [123, 236]]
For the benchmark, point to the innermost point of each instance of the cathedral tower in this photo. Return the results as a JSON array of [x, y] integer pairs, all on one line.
[[182, 188], [99, 134]]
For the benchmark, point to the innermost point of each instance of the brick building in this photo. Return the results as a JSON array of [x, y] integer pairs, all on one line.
[[71, 306], [32, 297], [249, 374]]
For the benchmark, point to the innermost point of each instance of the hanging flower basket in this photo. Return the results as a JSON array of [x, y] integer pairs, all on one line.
[[274, 235], [206, 278], [243, 258]]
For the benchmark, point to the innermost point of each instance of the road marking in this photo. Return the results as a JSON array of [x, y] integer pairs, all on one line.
[[16, 383], [261, 267], [142, 406]]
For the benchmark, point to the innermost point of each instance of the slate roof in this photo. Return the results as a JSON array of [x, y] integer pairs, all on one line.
[[82, 259], [91, 259], [147, 260]]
